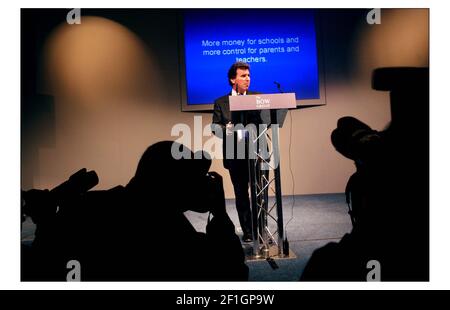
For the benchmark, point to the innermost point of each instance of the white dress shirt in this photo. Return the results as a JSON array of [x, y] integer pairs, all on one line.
[[240, 132]]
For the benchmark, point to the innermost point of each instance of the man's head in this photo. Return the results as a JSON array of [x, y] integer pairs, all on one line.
[[239, 74]]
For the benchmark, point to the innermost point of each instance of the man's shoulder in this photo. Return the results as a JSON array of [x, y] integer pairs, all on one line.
[[221, 99]]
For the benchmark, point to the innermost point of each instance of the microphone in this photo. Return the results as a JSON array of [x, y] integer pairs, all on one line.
[[278, 86], [237, 89]]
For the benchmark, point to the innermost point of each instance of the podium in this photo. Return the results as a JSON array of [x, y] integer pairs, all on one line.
[[262, 159]]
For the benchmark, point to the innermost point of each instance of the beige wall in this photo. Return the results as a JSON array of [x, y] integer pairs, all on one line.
[[115, 95]]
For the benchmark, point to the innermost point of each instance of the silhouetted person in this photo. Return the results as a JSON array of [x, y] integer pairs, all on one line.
[[389, 190], [139, 232]]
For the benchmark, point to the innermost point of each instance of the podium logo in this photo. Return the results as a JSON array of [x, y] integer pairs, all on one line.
[[262, 102]]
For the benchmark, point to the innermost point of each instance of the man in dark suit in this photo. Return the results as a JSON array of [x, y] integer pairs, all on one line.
[[239, 80]]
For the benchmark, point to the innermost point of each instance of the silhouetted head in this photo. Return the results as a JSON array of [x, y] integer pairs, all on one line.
[[159, 173], [158, 160]]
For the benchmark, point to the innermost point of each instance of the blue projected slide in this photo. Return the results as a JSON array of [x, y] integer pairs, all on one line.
[[279, 45]]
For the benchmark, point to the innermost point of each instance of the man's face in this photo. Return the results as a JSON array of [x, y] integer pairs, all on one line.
[[242, 80]]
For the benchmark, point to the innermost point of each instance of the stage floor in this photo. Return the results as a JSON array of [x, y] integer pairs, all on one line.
[[312, 221]]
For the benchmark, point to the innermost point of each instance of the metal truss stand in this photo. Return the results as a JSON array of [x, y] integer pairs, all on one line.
[[264, 156]]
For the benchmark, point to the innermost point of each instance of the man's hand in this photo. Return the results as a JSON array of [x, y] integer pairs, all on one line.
[[229, 128]]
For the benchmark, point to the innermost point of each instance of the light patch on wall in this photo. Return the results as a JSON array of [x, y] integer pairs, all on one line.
[[402, 39], [105, 82], [97, 62]]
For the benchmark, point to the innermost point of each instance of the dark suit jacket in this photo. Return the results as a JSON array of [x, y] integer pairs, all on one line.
[[222, 116]]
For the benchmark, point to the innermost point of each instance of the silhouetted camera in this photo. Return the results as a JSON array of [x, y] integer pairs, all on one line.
[[42, 205], [356, 140], [212, 197]]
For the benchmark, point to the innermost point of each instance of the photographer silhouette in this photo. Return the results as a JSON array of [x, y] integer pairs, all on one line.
[[139, 232], [388, 193]]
